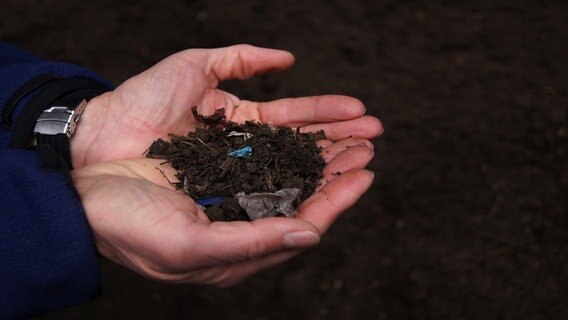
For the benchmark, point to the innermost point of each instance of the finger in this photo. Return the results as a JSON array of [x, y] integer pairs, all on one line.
[[332, 149], [323, 207], [237, 241], [366, 127], [356, 157], [294, 112], [245, 61]]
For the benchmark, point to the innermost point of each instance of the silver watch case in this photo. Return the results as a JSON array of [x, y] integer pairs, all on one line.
[[59, 120]]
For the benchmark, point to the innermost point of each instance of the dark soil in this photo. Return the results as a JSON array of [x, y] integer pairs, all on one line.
[[467, 218], [280, 158]]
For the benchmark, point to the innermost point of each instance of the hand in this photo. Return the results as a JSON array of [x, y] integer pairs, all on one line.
[[140, 221], [123, 123]]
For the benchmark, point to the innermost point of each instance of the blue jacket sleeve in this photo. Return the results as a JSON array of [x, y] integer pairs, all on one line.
[[47, 257]]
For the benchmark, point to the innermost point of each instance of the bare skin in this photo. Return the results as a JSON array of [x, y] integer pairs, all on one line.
[[140, 221]]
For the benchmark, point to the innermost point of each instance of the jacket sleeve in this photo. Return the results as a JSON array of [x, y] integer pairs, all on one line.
[[47, 257]]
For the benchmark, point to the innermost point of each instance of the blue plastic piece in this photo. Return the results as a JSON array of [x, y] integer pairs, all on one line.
[[209, 201], [239, 153]]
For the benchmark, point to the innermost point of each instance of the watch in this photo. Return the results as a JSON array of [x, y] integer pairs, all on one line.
[[57, 123]]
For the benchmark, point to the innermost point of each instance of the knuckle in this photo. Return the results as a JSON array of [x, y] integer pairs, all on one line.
[[256, 249]]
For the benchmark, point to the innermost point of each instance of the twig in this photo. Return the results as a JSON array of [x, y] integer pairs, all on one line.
[[164, 174]]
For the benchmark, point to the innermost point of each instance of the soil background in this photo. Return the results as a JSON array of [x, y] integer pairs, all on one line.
[[467, 218]]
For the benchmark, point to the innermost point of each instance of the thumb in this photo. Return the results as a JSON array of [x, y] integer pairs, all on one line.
[[238, 241], [244, 61]]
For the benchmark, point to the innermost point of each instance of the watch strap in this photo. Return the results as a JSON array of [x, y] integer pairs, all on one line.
[[60, 150], [60, 146]]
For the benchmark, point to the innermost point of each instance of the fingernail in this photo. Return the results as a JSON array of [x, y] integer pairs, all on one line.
[[369, 144], [300, 240]]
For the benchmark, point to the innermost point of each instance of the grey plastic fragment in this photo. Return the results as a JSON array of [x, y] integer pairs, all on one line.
[[263, 205], [245, 135]]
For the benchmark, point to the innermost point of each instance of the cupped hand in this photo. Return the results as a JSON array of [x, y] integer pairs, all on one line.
[[140, 221], [121, 124]]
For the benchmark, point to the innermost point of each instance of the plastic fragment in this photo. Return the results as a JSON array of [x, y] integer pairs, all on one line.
[[245, 135], [263, 205], [209, 201], [239, 153]]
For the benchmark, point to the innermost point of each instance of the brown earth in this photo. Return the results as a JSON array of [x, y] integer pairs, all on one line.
[[243, 171], [468, 216]]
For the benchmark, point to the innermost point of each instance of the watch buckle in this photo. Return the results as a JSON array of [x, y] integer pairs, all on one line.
[[59, 120]]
